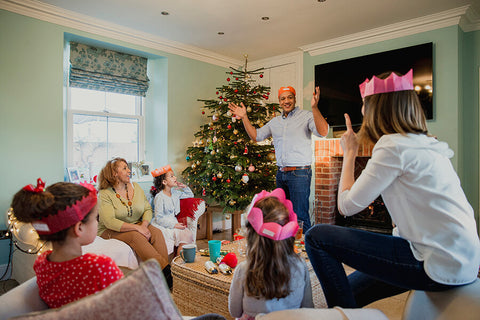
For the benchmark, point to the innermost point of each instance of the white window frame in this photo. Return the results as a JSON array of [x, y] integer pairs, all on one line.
[[139, 105]]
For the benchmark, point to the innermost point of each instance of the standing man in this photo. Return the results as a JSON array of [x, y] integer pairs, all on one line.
[[292, 134]]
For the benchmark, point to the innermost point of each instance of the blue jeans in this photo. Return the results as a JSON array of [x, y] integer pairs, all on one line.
[[385, 265], [296, 185]]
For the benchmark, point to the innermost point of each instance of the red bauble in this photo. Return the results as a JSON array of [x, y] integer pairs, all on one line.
[[229, 127], [254, 92], [203, 112], [231, 72], [228, 180], [228, 79], [225, 100], [236, 78], [261, 76], [236, 90], [220, 97], [235, 142], [214, 178], [230, 260], [217, 92]]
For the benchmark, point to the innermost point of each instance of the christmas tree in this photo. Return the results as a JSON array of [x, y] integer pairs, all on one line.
[[224, 164]]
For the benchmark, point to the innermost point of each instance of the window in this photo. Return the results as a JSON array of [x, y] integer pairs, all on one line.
[[103, 125]]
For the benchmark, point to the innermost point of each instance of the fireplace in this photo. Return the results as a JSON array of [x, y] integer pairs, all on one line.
[[328, 166]]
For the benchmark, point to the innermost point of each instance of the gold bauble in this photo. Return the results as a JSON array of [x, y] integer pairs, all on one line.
[[271, 156]]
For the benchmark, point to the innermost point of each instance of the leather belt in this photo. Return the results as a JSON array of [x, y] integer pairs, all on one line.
[[286, 169]]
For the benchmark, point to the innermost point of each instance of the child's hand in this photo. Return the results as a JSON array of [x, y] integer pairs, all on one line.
[[180, 226], [181, 185]]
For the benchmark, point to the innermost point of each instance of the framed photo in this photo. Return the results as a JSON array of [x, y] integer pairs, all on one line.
[[84, 175], [73, 175]]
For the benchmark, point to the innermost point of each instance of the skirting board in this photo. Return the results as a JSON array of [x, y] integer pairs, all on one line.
[[8, 275]]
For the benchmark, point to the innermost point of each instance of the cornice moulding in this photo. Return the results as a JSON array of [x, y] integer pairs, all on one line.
[[66, 18], [396, 30]]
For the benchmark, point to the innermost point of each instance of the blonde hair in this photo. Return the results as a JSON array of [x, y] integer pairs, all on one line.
[[391, 112], [106, 178], [268, 274]]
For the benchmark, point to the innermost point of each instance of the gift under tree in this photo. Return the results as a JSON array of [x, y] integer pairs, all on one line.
[[225, 166]]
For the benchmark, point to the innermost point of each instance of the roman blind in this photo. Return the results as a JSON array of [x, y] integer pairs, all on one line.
[[102, 69]]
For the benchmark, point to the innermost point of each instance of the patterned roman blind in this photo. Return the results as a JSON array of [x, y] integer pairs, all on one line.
[[103, 69]]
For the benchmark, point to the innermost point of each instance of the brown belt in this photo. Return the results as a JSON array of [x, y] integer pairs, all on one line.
[[286, 169]]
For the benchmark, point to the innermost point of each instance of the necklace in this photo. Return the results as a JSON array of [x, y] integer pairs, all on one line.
[[128, 205]]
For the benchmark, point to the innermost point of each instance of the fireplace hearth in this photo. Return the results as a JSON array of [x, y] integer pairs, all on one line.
[[328, 166]]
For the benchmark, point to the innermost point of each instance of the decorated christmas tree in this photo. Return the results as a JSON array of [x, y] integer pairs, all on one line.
[[224, 164]]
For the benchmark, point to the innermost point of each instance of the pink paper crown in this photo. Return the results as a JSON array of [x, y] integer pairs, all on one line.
[[161, 170], [391, 84], [66, 218], [272, 230]]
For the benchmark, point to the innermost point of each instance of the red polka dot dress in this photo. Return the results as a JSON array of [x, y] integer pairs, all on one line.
[[60, 283]]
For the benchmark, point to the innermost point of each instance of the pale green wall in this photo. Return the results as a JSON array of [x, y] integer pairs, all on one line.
[[31, 102], [456, 119]]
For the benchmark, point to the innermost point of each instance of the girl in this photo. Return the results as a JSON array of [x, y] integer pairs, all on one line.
[[273, 277], [167, 194], [67, 215], [434, 245]]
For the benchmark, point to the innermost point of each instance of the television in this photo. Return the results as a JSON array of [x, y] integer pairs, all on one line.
[[339, 80]]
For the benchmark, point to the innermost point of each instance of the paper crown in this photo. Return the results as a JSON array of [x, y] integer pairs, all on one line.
[[66, 218], [391, 84], [272, 230], [161, 170], [285, 89]]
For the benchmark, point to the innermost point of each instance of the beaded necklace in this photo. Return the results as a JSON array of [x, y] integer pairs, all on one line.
[[128, 205]]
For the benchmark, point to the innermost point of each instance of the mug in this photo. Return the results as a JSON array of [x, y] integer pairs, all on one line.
[[214, 249], [188, 253]]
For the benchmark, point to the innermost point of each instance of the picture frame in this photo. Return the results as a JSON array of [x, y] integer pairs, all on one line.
[[84, 175], [73, 175]]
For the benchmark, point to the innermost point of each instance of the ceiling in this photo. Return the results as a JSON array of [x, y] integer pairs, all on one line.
[[292, 24]]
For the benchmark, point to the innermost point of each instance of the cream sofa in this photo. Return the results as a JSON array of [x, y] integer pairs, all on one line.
[[143, 294]]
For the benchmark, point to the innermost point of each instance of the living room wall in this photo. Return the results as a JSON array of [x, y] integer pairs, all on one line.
[[456, 118], [32, 104]]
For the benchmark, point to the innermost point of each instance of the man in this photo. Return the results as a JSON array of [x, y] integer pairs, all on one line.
[[292, 133]]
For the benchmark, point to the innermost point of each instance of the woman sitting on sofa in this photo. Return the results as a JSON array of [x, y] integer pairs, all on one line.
[[125, 214]]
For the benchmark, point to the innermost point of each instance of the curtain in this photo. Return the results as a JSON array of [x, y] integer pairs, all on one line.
[[103, 69]]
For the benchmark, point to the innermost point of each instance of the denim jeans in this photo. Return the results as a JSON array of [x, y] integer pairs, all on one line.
[[385, 265], [296, 185]]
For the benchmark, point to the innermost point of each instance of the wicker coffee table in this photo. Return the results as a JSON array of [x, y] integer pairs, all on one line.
[[197, 292]]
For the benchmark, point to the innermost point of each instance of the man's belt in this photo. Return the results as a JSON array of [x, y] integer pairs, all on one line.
[[286, 169]]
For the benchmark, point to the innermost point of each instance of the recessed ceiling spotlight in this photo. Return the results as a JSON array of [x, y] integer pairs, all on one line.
[[165, 13], [321, 0], [221, 33], [265, 18]]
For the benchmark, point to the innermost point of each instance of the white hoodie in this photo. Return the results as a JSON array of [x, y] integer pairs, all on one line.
[[422, 192]]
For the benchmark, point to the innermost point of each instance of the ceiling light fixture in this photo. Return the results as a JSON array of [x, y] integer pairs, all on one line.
[[265, 18], [165, 13], [221, 33], [321, 0]]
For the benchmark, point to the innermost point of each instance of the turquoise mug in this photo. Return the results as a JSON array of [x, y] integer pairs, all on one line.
[[214, 247], [188, 253]]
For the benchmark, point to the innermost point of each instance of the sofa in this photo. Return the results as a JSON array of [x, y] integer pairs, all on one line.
[[143, 294]]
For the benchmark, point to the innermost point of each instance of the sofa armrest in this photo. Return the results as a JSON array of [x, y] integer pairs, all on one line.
[[21, 299]]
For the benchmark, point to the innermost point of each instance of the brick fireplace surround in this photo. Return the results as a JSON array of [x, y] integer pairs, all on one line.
[[328, 166]]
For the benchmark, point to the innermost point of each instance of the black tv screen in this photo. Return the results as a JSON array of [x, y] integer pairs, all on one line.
[[339, 80]]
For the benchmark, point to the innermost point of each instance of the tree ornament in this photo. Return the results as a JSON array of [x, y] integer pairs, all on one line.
[[217, 92], [212, 152], [229, 126], [235, 131], [204, 193], [188, 158], [219, 175], [214, 178], [251, 168], [232, 202], [228, 180], [261, 76], [246, 150], [198, 162], [215, 117], [238, 168], [194, 166], [236, 90], [234, 119], [271, 156], [233, 156], [228, 79], [229, 113], [249, 109], [214, 139], [245, 178], [203, 112], [231, 72]]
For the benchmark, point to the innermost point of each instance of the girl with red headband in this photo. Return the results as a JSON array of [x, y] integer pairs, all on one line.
[[67, 215], [273, 277]]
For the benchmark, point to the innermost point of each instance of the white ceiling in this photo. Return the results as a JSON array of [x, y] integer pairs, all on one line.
[[293, 24]]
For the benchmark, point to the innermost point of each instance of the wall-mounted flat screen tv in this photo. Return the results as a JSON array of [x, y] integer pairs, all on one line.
[[339, 80]]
